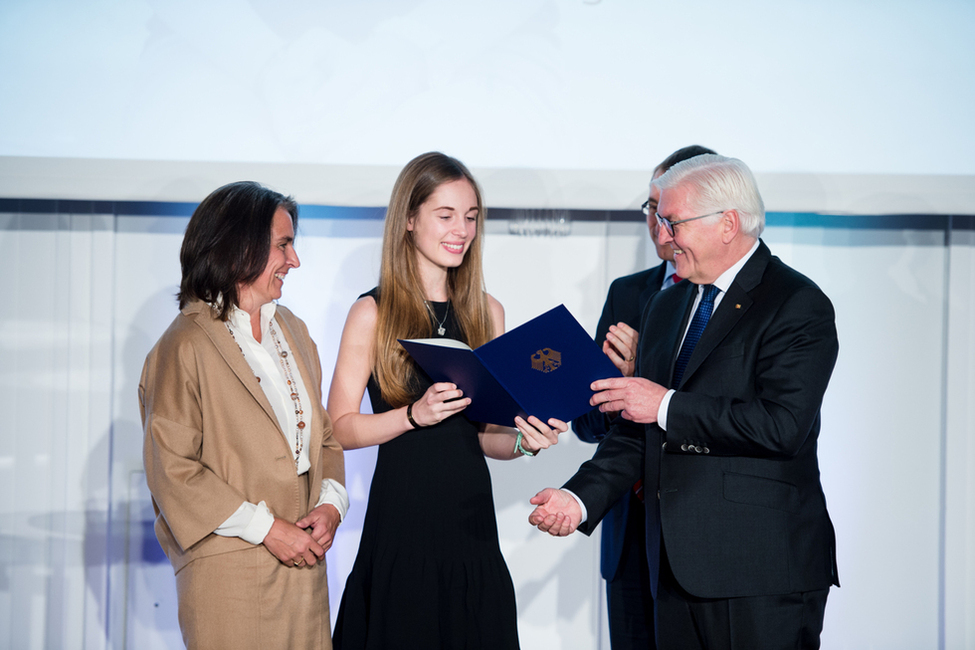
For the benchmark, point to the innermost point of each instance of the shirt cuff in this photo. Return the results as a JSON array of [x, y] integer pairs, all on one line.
[[250, 522], [585, 513], [663, 408], [335, 494]]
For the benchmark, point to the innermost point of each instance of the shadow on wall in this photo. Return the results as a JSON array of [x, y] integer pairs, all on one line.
[[83, 557], [143, 587], [540, 565]]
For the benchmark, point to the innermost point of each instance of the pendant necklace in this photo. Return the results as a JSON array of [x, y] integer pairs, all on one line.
[[441, 330], [292, 386]]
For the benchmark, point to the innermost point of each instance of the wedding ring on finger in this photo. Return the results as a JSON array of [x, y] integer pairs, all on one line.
[[299, 562]]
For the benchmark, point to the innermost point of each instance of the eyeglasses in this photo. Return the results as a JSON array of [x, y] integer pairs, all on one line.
[[669, 225], [646, 208]]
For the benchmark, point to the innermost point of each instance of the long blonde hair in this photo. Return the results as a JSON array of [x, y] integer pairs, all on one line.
[[402, 314]]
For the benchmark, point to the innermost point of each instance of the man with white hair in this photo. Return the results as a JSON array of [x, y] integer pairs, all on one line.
[[623, 558], [721, 421]]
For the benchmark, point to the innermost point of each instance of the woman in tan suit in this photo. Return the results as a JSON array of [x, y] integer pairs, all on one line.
[[246, 478]]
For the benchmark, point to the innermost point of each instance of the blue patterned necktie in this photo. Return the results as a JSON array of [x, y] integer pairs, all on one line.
[[698, 323]]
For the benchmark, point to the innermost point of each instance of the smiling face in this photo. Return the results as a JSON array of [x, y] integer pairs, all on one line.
[[699, 250], [444, 226], [281, 259]]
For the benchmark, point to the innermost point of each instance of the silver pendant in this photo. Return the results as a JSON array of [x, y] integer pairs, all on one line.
[[441, 331]]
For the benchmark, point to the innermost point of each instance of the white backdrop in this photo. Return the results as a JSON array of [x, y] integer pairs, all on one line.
[[840, 106], [557, 103], [79, 565], [832, 86]]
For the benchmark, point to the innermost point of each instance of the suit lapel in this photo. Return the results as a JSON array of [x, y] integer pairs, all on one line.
[[228, 349], [734, 305]]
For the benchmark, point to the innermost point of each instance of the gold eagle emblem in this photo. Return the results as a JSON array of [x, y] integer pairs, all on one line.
[[546, 360]]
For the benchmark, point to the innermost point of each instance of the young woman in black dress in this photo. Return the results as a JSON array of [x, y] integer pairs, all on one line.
[[429, 571]]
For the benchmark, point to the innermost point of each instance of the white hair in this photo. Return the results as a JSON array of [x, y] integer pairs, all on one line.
[[720, 183]]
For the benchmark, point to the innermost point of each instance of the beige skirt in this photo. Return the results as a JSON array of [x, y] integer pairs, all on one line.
[[248, 599]]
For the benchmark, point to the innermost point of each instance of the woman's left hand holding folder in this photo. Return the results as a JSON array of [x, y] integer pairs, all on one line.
[[538, 435]]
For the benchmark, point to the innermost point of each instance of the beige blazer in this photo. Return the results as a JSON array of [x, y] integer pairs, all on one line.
[[212, 440]]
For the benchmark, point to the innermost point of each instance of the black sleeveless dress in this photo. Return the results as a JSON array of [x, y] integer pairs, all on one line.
[[429, 572]]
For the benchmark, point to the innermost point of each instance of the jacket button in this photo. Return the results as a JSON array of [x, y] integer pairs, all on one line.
[[698, 449], [683, 447], [707, 451]]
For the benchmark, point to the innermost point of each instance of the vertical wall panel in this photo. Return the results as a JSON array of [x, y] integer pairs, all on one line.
[[10, 342], [146, 279], [56, 380], [960, 452], [880, 443]]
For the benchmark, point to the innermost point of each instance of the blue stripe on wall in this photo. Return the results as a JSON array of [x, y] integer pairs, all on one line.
[[788, 219]]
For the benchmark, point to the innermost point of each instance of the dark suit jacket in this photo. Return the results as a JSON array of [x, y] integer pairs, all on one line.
[[628, 297], [740, 510]]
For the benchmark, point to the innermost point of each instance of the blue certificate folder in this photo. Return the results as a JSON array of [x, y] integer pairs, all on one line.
[[542, 368]]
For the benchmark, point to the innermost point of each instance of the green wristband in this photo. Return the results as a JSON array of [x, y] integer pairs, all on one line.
[[519, 448]]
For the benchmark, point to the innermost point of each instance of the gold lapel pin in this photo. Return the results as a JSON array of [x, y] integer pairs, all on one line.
[[737, 305]]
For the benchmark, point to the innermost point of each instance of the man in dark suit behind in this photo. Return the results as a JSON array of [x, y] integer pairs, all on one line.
[[721, 422], [623, 558]]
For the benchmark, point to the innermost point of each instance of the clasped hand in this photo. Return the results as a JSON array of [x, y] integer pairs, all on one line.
[[295, 546]]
